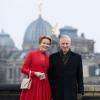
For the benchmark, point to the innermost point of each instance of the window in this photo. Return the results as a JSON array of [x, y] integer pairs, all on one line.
[[94, 70], [97, 71], [10, 73]]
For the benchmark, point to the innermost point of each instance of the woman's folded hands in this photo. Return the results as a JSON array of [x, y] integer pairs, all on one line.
[[40, 75]]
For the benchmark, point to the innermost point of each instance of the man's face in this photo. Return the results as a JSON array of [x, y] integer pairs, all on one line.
[[65, 44]]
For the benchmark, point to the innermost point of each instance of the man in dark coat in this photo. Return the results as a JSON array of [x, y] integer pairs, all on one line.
[[65, 72]]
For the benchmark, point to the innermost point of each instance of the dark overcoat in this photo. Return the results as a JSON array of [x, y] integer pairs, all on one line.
[[66, 80]]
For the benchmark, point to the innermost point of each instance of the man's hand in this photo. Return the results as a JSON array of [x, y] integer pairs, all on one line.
[[79, 96]]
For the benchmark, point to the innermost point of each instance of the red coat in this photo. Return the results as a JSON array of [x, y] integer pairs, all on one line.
[[36, 61]]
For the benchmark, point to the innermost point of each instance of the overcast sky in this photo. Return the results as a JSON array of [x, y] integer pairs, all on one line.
[[16, 15]]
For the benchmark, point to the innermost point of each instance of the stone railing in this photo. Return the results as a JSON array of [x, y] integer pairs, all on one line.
[[9, 92], [12, 92], [92, 92]]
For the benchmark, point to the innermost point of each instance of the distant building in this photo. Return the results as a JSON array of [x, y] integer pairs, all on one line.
[[10, 67], [36, 29], [7, 48], [11, 59], [85, 47], [81, 45]]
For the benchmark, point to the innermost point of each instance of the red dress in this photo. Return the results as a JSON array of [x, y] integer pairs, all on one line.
[[36, 61]]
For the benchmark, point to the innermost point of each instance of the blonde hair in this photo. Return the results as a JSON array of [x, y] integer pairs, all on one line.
[[45, 37]]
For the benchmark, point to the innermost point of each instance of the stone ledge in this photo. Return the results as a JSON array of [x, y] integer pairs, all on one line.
[[14, 89]]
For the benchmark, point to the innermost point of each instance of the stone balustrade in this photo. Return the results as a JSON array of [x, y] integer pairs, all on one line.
[[12, 92]]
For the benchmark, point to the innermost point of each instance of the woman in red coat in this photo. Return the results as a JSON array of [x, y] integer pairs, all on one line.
[[37, 62]]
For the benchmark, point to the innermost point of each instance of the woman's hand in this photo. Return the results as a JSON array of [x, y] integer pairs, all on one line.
[[40, 75]]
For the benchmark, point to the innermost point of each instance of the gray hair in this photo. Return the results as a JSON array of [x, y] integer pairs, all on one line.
[[65, 36]]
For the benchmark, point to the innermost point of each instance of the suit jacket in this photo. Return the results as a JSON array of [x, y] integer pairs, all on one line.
[[66, 79]]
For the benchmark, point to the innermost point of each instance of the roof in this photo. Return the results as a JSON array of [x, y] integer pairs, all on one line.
[[36, 29]]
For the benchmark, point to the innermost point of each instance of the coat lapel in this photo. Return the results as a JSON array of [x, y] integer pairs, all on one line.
[[61, 61]]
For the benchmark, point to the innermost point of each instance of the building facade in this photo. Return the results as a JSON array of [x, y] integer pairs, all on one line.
[[11, 59]]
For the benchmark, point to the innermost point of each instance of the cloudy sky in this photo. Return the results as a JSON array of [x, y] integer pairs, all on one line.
[[16, 15]]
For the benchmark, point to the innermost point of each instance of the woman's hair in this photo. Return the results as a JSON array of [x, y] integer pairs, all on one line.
[[45, 37]]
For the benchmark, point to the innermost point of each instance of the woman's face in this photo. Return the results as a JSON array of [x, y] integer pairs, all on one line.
[[44, 45]]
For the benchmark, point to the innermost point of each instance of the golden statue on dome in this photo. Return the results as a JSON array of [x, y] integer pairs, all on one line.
[[55, 30]]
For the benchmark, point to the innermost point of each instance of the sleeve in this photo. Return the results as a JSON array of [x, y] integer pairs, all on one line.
[[80, 84], [27, 64]]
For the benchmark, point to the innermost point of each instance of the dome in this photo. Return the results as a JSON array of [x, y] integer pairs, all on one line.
[[5, 40], [35, 30]]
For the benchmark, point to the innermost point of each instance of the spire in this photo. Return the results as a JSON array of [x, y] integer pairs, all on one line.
[[2, 30], [40, 4]]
